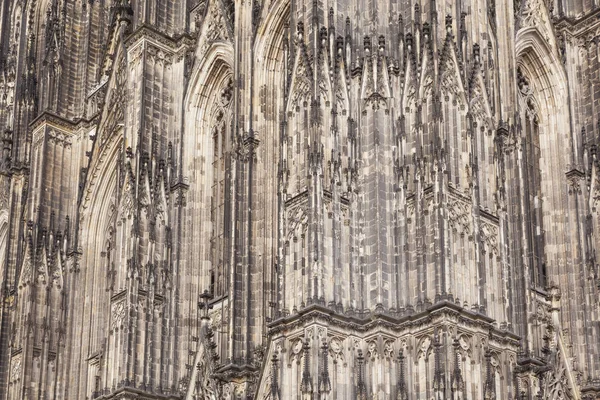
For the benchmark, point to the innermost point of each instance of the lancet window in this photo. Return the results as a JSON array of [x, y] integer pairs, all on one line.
[[532, 177], [218, 204], [217, 209], [3, 248]]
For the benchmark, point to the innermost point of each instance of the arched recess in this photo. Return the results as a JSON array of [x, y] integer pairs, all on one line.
[[542, 90], [91, 317], [37, 12], [48, 31], [3, 246], [272, 70], [207, 159], [207, 149], [562, 206], [4, 273]]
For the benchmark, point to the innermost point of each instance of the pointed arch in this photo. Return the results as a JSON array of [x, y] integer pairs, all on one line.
[[482, 141], [48, 29], [3, 246], [537, 56], [219, 54], [451, 79], [270, 33], [544, 120], [208, 147], [479, 104], [96, 225], [301, 80], [272, 49], [207, 152], [38, 10], [273, 57], [426, 77]]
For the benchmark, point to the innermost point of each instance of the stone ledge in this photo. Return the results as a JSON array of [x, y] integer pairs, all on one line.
[[129, 392], [385, 319]]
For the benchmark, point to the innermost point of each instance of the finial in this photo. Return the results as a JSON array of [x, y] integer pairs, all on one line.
[[449, 24], [476, 53], [300, 30], [381, 43], [367, 44]]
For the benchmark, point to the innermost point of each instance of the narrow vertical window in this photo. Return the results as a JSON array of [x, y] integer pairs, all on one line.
[[217, 278], [217, 181], [532, 181]]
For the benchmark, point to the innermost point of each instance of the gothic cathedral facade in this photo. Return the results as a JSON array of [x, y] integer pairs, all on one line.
[[300, 199]]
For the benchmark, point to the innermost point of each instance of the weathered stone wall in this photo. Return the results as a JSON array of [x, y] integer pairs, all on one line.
[[311, 199]]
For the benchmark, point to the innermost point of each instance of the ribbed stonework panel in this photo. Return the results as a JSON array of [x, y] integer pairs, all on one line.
[[307, 199]]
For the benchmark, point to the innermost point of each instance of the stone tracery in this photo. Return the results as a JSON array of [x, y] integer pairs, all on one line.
[[365, 207]]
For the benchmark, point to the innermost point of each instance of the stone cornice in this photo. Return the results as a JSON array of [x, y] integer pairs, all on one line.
[[129, 392], [236, 372], [159, 39], [592, 386], [578, 26], [374, 320], [59, 122]]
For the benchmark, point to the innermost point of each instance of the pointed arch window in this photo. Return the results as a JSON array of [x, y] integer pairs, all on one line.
[[532, 177], [3, 252], [51, 32], [219, 210], [217, 207]]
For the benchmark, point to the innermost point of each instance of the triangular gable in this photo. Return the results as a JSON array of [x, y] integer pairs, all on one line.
[[113, 111], [409, 92], [57, 270], [367, 87], [383, 80], [26, 273], [160, 202], [127, 203], [479, 105], [451, 81], [114, 77], [216, 26], [375, 81], [426, 78], [533, 15], [302, 77], [325, 87], [42, 267], [341, 85]]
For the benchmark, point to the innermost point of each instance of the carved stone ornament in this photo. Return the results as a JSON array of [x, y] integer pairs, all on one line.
[[372, 351], [118, 314], [424, 346], [296, 352], [16, 367], [4, 199], [388, 349], [326, 172], [554, 384], [205, 386], [534, 15], [336, 350]]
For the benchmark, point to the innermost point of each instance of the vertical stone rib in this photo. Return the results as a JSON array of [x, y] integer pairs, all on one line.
[[422, 220]]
